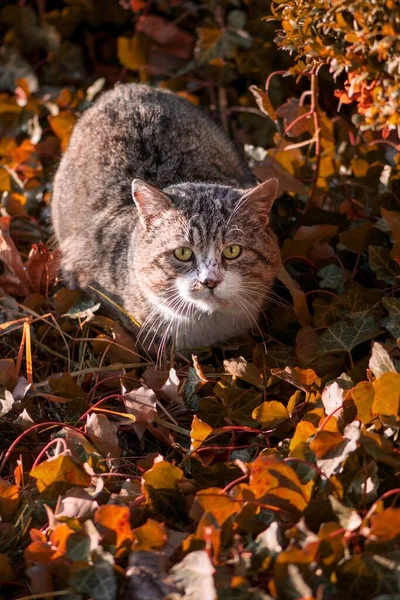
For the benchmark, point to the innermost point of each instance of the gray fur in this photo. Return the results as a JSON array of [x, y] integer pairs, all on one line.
[[119, 237]]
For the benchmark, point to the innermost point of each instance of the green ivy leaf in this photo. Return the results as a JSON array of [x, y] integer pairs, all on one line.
[[392, 324], [333, 277], [383, 266], [346, 334]]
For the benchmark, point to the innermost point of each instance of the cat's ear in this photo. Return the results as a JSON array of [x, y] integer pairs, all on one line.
[[149, 200], [261, 198]]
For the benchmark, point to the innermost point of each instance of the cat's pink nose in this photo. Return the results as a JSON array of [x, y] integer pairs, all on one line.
[[211, 283]]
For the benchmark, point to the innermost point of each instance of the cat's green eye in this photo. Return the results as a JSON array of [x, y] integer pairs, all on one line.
[[183, 253], [232, 251]]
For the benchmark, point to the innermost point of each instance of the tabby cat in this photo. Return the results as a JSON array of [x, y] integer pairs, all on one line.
[[155, 208]]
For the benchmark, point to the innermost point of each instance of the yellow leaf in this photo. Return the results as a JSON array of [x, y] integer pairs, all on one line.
[[387, 395], [56, 475], [199, 432], [5, 180], [150, 536], [220, 505], [360, 167], [270, 414], [131, 54], [363, 397], [304, 430], [163, 476]]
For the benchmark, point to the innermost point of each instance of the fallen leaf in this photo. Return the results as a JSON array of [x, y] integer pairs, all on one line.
[[113, 522], [55, 475], [387, 395], [199, 432], [270, 414], [103, 434]]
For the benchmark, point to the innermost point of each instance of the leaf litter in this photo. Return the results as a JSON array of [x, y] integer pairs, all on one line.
[[266, 468]]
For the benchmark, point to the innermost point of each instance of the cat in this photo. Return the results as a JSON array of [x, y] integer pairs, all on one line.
[[156, 209]]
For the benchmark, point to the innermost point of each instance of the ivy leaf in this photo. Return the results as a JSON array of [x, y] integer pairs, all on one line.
[[195, 576], [276, 484], [363, 397], [239, 367], [346, 334], [380, 361], [270, 414], [9, 500], [215, 43], [393, 219], [348, 518], [150, 536], [387, 395], [333, 277], [56, 475], [199, 432], [356, 239], [392, 324], [113, 522], [383, 266], [97, 581], [240, 405], [332, 448], [219, 504]]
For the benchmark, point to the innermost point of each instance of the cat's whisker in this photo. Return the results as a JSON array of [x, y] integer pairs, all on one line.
[[251, 318]]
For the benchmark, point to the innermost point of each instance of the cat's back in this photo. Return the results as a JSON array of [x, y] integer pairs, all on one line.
[[138, 131], [135, 131]]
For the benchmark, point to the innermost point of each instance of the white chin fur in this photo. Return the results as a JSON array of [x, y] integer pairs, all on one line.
[[207, 301]]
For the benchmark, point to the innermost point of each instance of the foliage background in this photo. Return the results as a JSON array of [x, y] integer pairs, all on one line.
[[265, 468]]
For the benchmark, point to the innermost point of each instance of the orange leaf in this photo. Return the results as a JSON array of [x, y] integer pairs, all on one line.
[[59, 537], [62, 125], [113, 522], [199, 432], [40, 553], [276, 484], [9, 499], [263, 102], [386, 525]]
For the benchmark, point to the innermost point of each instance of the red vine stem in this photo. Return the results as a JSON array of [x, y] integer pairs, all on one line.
[[47, 447], [29, 430], [314, 111]]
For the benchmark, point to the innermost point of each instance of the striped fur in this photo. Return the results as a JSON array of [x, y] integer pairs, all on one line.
[[122, 244]]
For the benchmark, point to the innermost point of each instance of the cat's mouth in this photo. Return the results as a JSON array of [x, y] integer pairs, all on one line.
[[209, 300]]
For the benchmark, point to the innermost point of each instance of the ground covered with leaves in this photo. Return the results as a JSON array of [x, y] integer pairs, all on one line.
[[266, 468]]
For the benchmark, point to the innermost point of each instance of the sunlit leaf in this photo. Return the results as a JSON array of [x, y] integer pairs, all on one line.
[[113, 522], [270, 414], [387, 395], [55, 475], [150, 536], [198, 433]]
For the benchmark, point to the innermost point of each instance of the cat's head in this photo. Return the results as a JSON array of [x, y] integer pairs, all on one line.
[[205, 247]]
